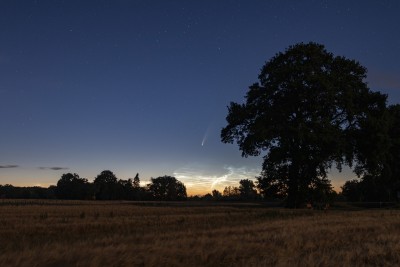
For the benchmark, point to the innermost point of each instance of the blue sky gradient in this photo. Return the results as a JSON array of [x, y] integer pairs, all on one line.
[[143, 86]]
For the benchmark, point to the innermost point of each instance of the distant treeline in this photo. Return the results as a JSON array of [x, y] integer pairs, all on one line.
[[370, 189], [31, 192], [106, 186]]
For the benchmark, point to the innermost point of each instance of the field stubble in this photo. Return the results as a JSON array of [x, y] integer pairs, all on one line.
[[73, 233]]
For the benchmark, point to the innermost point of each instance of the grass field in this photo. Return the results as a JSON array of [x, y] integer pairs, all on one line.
[[73, 233]]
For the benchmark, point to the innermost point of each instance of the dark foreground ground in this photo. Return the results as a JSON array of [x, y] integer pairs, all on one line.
[[84, 233]]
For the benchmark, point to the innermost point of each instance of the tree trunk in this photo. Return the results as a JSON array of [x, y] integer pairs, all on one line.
[[293, 186]]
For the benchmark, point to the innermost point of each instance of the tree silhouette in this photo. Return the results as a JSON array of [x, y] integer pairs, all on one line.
[[351, 190], [247, 189], [320, 191], [71, 186], [216, 195], [125, 189], [231, 193], [305, 114], [106, 186], [167, 188], [36, 192], [136, 181]]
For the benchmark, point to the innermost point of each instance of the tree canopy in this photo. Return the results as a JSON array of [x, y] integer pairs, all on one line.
[[71, 186], [307, 112], [247, 189], [380, 172], [167, 188], [106, 186]]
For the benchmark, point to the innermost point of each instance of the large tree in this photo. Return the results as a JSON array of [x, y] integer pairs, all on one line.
[[305, 114]]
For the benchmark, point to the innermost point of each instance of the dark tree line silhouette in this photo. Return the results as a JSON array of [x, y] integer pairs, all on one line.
[[27, 192], [246, 191], [106, 186]]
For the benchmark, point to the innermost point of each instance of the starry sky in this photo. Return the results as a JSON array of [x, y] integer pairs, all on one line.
[[143, 86]]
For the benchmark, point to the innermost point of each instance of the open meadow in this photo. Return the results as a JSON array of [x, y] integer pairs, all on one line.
[[84, 233]]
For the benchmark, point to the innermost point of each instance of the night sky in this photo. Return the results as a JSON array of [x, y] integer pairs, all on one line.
[[143, 86]]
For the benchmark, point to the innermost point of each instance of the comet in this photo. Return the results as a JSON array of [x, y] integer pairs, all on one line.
[[204, 140], [205, 136], [210, 127]]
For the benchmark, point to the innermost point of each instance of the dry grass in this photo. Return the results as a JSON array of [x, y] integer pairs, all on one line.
[[63, 233]]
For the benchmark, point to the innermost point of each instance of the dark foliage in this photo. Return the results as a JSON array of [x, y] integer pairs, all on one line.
[[216, 195], [166, 188], [351, 190], [106, 186], [231, 193], [380, 171], [71, 186], [309, 110], [33, 192], [109, 187], [247, 190]]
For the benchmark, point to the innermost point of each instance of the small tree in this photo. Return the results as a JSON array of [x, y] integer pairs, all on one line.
[[71, 186], [136, 181], [231, 193], [216, 195], [321, 191], [272, 187], [167, 188], [125, 189], [247, 190], [106, 186], [351, 190]]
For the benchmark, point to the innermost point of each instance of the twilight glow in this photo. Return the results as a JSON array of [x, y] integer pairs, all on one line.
[[143, 86]]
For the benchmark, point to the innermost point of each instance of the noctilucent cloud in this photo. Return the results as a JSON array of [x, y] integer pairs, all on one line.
[[143, 86]]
